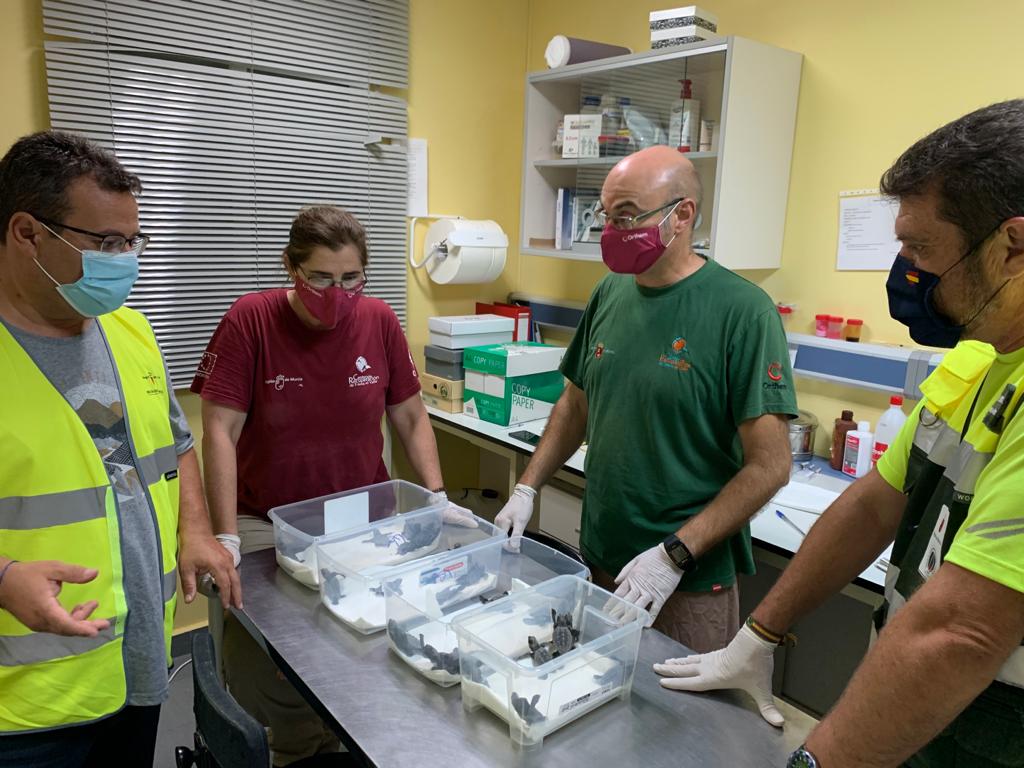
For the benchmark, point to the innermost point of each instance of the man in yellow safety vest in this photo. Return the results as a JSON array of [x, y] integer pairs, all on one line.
[[101, 505]]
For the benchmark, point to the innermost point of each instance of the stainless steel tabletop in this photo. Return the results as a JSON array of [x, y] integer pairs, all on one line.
[[395, 717]]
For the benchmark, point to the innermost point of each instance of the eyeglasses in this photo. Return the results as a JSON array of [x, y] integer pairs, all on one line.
[[602, 217], [112, 244], [350, 283]]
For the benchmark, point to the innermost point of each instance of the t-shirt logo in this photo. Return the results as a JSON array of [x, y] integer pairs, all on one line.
[[676, 357], [774, 372], [600, 350], [206, 363], [363, 378]]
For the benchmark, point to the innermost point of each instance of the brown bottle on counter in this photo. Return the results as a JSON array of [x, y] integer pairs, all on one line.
[[843, 425]]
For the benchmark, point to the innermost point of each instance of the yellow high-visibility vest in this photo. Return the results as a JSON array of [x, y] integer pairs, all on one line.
[[57, 503]]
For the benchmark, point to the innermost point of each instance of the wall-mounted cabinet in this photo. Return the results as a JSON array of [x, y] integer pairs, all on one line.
[[747, 91]]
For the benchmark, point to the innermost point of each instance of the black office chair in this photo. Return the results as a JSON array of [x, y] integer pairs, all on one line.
[[226, 735]]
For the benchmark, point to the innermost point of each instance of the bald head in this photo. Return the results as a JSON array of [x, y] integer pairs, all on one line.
[[650, 178]]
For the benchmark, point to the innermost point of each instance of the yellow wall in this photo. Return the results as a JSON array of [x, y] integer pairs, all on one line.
[[23, 85]]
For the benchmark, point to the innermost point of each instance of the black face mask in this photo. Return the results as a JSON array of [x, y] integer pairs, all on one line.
[[912, 302]]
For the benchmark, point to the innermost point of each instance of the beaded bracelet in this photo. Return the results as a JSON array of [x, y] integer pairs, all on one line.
[[768, 636]]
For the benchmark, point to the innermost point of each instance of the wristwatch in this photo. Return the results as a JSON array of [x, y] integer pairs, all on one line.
[[802, 759], [680, 555]]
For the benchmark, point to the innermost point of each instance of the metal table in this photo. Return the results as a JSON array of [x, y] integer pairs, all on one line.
[[391, 716]]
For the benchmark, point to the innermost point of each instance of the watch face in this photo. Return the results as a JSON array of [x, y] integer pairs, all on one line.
[[802, 759]]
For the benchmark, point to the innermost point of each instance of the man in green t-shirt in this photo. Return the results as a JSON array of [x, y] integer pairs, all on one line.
[[679, 378], [944, 684]]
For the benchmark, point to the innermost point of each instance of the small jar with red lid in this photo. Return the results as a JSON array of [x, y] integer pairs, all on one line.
[[853, 329], [835, 327], [821, 325]]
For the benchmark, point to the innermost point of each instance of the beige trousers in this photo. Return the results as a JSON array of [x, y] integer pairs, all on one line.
[[702, 621]]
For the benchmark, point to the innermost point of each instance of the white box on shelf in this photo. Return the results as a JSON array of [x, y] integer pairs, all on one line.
[[457, 325], [689, 15], [580, 136], [666, 38], [469, 339]]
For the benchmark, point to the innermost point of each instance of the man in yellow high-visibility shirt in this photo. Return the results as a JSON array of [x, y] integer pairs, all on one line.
[[101, 505], [944, 684]]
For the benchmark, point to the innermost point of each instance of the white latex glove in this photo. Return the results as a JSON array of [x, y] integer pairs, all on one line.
[[516, 513], [232, 544], [456, 515], [745, 663], [650, 578]]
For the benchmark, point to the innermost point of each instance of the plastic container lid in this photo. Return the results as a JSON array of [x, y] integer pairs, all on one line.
[[854, 321], [785, 310], [896, 400], [822, 317], [835, 319], [847, 416]]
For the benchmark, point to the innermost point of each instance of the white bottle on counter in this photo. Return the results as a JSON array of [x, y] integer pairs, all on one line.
[[857, 456], [889, 426]]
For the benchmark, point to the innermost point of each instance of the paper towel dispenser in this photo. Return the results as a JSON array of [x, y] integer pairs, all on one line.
[[464, 251]]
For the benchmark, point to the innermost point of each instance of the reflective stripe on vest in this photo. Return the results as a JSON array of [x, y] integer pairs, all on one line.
[[56, 503]]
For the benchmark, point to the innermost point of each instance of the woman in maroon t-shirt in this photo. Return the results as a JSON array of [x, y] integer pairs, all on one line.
[[295, 383]]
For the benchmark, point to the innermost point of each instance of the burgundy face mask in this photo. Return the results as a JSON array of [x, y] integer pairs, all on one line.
[[633, 251]]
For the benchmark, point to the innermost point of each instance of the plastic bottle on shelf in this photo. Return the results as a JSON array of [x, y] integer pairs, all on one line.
[[844, 424], [591, 105], [889, 426], [611, 115], [859, 444], [559, 137], [684, 120]]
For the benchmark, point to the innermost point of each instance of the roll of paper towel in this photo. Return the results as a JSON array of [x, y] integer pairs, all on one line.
[[465, 251], [564, 50]]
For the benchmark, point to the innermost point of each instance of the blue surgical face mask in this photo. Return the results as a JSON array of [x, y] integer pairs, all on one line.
[[911, 294], [106, 281]]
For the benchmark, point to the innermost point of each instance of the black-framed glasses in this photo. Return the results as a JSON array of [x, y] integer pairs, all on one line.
[[112, 244], [602, 217], [353, 283]]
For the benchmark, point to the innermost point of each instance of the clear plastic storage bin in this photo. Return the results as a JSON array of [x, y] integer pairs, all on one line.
[[355, 565], [422, 599], [298, 526], [542, 657]]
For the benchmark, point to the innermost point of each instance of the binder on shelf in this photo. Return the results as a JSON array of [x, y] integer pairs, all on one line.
[[521, 316], [564, 218]]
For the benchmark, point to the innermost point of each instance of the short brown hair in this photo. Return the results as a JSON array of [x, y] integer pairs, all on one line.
[[38, 169], [326, 225]]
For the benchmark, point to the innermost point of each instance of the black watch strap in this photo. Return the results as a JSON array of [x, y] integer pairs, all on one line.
[[679, 553]]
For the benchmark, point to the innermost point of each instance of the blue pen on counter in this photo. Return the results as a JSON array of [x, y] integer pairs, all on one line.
[[790, 523]]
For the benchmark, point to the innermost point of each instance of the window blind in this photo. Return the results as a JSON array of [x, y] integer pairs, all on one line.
[[236, 115]]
